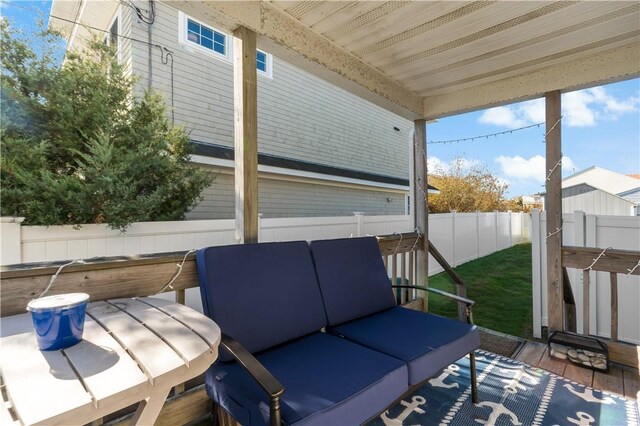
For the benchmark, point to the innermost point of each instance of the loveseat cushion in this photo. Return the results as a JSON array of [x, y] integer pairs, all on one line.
[[426, 342], [261, 294], [352, 278], [327, 381]]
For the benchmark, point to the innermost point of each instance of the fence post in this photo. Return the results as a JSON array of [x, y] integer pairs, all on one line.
[[359, 223], [454, 262], [536, 273], [575, 276], [477, 234], [11, 249], [495, 224], [510, 228], [591, 240], [260, 227]]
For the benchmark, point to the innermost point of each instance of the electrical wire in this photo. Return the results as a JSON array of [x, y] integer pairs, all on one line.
[[105, 31], [165, 54], [149, 20]]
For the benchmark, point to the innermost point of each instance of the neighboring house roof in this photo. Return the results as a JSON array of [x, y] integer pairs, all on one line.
[[606, 180]]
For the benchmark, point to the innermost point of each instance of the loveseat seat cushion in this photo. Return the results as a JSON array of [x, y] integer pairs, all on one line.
[[352, 278], [426, 342], [261, 294], [327, 381]]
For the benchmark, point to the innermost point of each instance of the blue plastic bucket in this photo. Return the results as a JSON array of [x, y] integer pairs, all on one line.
[[59, 320]]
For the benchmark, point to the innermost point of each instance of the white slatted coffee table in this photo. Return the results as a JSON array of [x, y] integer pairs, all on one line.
[[133, 350]]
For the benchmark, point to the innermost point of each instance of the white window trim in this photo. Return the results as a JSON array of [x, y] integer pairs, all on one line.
[[116, 17], [227, 57], [182, 38]]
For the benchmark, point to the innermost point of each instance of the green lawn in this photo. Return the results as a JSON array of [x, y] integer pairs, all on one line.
[[500, 284]]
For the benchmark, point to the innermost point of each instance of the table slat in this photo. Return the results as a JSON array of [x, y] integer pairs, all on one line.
[[42, 385], [198, 322], [155, 357], [185, 342], [107, 370]]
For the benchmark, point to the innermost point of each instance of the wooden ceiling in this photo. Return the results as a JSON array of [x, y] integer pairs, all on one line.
[[438, 47]]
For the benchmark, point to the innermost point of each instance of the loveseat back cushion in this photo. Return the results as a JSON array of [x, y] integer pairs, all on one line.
[[352, 277], [261, 294]]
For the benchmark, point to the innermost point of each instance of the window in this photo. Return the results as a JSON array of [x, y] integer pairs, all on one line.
[[216, 43], [263, 63], [206, 37]]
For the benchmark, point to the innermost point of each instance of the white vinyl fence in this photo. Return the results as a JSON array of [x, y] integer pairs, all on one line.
[[578, 229], [460, 237]]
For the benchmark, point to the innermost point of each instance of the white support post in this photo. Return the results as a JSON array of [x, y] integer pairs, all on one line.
[[477, 235], [575, 275], [11, 248]]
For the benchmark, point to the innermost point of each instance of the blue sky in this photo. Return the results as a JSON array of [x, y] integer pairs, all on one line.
[[600, 127]]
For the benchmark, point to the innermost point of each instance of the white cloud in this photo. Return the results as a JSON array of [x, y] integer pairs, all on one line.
[[582, 108], [531, 169]]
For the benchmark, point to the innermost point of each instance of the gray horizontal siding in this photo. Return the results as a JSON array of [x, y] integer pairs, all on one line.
[[594, 201], [299, 115], [278, 198]]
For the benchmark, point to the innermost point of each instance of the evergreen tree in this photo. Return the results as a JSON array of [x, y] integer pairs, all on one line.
[[78, 148]]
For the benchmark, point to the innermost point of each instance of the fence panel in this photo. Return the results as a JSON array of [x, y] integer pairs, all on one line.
[[620, 232]]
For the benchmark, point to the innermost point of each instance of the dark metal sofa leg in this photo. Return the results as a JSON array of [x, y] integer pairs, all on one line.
[[474, 378], [274, 419]]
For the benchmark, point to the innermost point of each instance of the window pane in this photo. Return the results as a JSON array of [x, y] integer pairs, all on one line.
[[206, 32], [208, 43], [218, 47], [193, 37], [261, 57], [219, 38], [192, 26]]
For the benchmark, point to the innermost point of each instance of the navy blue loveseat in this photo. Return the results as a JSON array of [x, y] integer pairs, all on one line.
[[312, 334]]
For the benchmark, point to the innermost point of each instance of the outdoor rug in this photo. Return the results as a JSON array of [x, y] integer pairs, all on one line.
[[510, 393]]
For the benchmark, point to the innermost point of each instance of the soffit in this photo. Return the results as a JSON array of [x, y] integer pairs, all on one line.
[[438, 48]]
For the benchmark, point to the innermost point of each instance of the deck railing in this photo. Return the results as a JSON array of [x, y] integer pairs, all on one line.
[[136, 276], [615, 262]]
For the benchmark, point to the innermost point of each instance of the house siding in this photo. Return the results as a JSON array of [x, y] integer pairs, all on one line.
[[287, 198], [594, 201], [299, 115]]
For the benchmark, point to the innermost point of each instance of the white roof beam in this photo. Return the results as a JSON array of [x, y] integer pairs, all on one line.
[[615, 65]]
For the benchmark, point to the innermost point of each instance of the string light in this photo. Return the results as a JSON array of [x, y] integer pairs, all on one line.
[[559, 163], [54, 276], [558, 230], [634, 268], [169, 285], [588, 268], [399, 242], [487, 136]]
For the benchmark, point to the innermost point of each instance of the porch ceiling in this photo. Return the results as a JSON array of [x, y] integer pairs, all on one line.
[[448, 56]]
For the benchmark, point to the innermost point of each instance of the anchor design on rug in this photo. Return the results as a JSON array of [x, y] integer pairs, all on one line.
[[587, 395], [514, 384], [413, 406], [584, 419], [496, 411], [438, 382]]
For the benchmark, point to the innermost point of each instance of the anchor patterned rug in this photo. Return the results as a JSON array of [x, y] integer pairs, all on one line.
[[510, 393]]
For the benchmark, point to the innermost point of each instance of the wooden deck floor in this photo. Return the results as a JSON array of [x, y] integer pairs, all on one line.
[[621, 380]]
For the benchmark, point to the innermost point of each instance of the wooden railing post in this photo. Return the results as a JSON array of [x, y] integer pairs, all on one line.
[[553, 205], [245, 91], [421, 207]]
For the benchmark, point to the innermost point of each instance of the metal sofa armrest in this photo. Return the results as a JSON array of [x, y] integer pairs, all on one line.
[[468, 302], [260, 374]]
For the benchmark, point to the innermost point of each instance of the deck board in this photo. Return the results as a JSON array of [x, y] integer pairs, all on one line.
[[621, 380]]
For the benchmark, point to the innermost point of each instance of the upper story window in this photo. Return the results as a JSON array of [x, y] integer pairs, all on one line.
[[263, 63], [216, 43], [206, 37]]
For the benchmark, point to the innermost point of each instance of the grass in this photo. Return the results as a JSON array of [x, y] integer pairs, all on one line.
[[500, 284]]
